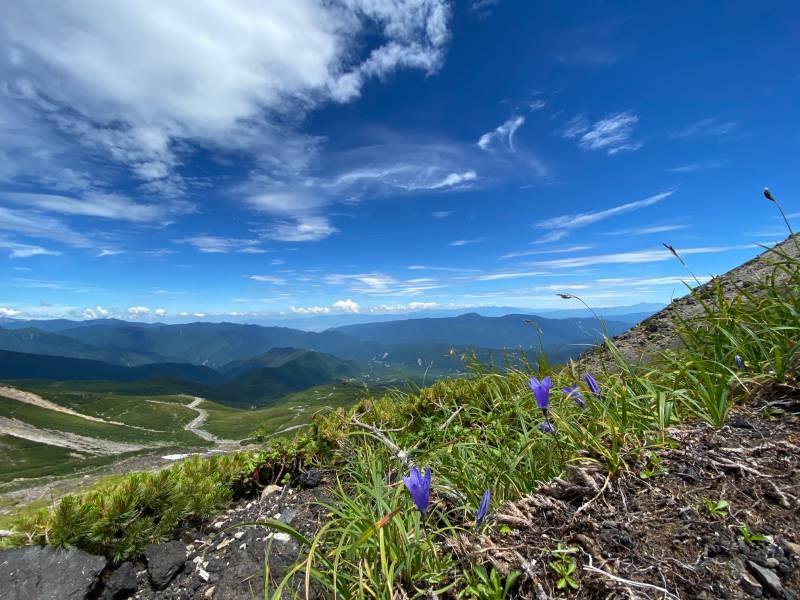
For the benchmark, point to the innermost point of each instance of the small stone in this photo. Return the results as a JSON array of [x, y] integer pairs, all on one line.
[[766, 577], [772, 563], [224, 544], [269, 490], [219, 524], [163, 562], [791, 547], [238, 535], [209, 592], [286, 516], [310, 479], [750, 585], [203, 574], [121, 584]]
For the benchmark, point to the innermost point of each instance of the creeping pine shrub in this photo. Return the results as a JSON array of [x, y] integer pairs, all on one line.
[[120, 519]]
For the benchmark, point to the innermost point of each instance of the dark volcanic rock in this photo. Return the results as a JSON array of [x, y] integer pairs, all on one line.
[[163, 562], [766, 577], [48, 574], [121, 584], [310, 479]]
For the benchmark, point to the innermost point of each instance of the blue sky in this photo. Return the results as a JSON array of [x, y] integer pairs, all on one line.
[[254, 158]]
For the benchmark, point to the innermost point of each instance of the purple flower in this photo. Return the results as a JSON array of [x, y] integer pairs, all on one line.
[[574, 392], [420, 488], [739, 362], [547, 427], [483, 509], [541, 389], [594, 387]]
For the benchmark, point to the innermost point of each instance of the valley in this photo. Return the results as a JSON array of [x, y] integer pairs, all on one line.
[[84, 400]]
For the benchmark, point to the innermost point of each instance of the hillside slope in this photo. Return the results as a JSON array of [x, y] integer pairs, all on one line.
[[659, 332]]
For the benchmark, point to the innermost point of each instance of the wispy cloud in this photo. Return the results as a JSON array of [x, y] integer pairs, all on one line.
[[612, 133], [106, 206], [382, 284], [17, 250], [566, 250], [466, 242], [210, 244], [647, 230], [697, 166], [502, 137], [40, 226], [442, 214], [507, 275], [636, 257], [560, 227], [268, 279], [706, 127]]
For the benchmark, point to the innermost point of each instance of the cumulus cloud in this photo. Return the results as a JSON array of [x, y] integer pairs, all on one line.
[[8, 312], [160, 312], [212, 73], [346, 306], [138, 311]]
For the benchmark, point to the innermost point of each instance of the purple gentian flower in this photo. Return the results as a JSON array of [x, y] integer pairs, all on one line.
[[547, 427], [541, 389], [420, 488], [594, 387], [574, 392], [739, 362], [483, 509]]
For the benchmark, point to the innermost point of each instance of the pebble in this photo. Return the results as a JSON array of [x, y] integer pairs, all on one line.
[[209, 592], [224, 543], [767, 578], [204, 575]]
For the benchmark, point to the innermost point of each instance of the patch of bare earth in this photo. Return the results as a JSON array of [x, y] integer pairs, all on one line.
[[654, 537], [659, 332]]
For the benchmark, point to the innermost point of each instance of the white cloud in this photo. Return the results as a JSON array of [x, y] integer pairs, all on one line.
[[138, 311], [648, 230], [160, 312], [381, 284], [511, 275], [35, 225], [442, 214], [8, 312], [561, 226], [268, 279], [25, 250], [346, 306], [613, 133], [706, 127], [697, 166], [454, 179], [636, 257], [107, 206], [210, 244], [535, 105], [466, 242], [565, 250], [109, 252], [502, 136], [221, 74]]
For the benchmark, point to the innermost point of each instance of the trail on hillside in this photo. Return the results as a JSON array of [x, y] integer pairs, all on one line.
[[195, 425], [62, 439], [31, 398]]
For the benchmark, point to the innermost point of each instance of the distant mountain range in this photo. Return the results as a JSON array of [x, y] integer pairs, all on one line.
[[253, 364], [258, 381], [509, 331]]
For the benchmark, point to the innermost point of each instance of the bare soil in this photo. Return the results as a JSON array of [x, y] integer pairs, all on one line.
[[640, 536]]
